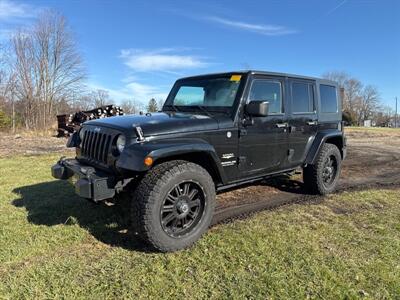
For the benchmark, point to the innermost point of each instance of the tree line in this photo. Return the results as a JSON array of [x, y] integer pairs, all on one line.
[[42, 74], [360, 102], [41, 71]]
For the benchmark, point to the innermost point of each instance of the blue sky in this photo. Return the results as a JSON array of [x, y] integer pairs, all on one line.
[[137, 49]]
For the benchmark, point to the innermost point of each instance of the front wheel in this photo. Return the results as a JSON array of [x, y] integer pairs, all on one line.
[[173, 205], [323, 176]]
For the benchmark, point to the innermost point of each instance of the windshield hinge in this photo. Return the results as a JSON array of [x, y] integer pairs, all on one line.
[[139, 133]]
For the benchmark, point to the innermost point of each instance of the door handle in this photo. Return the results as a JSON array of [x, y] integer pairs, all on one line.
[[312, 123], [282, 125]]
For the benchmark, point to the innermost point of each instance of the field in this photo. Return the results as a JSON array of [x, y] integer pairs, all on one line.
[[346, 245]]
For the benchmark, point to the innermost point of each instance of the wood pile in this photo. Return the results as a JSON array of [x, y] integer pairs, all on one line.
[[69, 123]]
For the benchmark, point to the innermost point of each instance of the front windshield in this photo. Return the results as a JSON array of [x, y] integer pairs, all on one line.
[[213, 93]]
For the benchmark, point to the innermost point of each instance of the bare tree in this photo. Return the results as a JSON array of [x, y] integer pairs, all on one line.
[[384, 116], [8, 86], [100, 98], [160, 103], [353, 94], [82, 102], [8, 94], [3, 76], [368, 104], [26, 73], [48, 68], [339, 76], [131, 106]]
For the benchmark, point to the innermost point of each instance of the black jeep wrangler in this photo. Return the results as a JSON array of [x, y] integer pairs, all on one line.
[[214, 132]]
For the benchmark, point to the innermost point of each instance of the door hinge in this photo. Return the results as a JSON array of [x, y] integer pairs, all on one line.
[[290, 154], [242, 132]]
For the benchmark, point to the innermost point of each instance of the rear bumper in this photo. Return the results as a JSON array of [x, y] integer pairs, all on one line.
[[89, 182]]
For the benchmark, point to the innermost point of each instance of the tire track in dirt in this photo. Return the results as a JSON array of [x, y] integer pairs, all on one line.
[[366, 167], [232, 213]]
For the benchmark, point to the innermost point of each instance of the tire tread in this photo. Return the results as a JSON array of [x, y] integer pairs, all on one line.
[[145, 196], [311, 174]]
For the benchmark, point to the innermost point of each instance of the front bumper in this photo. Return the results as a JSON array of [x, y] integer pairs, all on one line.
[[90, 183]]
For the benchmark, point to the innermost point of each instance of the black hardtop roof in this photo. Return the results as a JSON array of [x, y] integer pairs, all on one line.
[[267, 73]]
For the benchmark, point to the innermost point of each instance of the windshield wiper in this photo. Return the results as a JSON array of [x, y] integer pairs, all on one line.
[[174, 107]]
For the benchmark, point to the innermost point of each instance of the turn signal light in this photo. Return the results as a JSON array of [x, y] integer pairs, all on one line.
[[148, 161]]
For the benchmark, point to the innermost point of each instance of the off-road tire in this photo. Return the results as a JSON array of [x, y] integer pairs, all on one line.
[[313, 174], [150, 194]]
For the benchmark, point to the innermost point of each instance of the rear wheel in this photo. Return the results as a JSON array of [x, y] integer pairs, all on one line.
[[173, 205], [323, 176]]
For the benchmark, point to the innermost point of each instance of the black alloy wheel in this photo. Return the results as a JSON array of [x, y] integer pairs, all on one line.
[[182, 208], [329, 170], [172, 205], [322, 176]]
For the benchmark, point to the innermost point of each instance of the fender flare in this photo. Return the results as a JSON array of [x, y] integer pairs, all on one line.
[[73, 140], [132, 158], [319, 140]]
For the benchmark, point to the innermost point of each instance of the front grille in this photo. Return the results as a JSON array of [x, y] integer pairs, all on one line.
[[96, 146]]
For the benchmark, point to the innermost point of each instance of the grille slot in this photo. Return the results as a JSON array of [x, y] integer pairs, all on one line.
[[95, 146]]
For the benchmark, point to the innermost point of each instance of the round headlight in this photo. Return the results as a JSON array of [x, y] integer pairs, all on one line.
[[121, 143]]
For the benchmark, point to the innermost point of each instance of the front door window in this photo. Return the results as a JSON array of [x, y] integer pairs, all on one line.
[[267, 90]]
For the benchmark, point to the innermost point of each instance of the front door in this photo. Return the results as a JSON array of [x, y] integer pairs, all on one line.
[[303, 119], [263, 141]]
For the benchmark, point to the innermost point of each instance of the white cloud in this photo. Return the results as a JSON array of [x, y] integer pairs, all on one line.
[[165, 60], [336, 8], [264, 29], [15, 15], [10, 10], [115, 94], [145, 92], [133, 91]]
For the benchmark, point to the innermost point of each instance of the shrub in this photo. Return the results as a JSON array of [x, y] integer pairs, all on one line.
[[5, 120]]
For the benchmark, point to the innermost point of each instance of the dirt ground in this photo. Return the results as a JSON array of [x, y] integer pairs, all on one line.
[[373, 159], [31, 144]]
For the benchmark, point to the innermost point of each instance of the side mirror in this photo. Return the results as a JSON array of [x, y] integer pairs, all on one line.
[[257, 108]]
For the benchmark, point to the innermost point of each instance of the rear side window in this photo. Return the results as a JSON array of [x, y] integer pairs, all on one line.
[[328, 98], [267, 90], [302, 97]]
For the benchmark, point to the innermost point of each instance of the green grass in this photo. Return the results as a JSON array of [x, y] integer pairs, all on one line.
[[55, 245]]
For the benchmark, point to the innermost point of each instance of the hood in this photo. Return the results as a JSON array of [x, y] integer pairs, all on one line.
[[158, 123]]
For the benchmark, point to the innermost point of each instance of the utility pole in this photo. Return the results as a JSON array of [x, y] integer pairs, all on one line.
[[395, 115]]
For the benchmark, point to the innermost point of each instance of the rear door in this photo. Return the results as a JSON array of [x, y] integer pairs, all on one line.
[[263, 143], [303, 119]]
